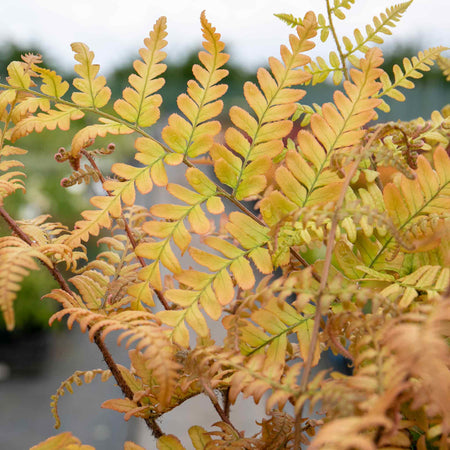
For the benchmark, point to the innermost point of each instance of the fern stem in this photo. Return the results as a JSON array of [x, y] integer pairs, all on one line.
[[336, 40], [215, 402]]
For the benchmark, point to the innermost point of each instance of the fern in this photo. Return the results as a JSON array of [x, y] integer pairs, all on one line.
[[346, 246]]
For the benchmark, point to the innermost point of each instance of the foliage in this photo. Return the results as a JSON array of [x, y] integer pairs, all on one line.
[[347, 247]]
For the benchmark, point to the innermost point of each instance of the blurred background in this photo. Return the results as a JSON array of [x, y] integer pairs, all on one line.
[[34, 359]]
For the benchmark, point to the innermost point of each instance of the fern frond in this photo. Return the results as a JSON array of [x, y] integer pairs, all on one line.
[[62, 440], [9, 183], [172, 226], [412, 68], [52, 84], [338, 5], [59, 117], [86, 135], [444, 65], [252, 237], [407, 201], [308, 179], [256, 141], [381, 24], [140, 104], [27, 106], [66, 385], [431, 280], [194, 136], [93, 92], [17, 259]]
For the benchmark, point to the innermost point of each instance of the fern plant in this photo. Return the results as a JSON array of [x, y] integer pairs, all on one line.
[[346, 248]]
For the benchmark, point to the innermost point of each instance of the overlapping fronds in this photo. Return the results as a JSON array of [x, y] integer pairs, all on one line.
[[421, 203], [141, 328], [346, 249], [307, 178], [211, 290], [254, 142], [201, 103], [140, 103], [76, 378]]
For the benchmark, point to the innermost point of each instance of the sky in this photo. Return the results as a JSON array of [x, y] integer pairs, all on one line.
[[115, 29]]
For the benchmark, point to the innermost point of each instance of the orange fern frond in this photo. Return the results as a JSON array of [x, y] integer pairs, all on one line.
[[140, 104], [194, 136], [256, 141]]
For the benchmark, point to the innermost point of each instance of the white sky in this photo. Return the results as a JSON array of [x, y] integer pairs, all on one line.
[[115, 29]]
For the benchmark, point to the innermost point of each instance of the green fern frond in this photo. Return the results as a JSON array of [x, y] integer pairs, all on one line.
[[381, 26], [337, 7], [412, 68]]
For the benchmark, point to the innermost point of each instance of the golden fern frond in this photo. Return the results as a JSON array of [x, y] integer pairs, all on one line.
[[17, 259], [307, 179], [27, 106], [52, 84], [408, 201], [279, 320], [93, 92], [172, 226], [66, 385], [194, 136], [431, 280], [257, 141], [444, 65], [214, 290], [59, 117], [86, 136], [412, 68], [9, 181], [140, 103]]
